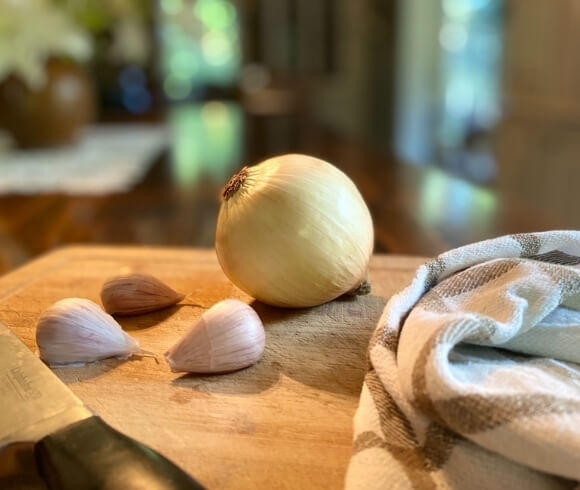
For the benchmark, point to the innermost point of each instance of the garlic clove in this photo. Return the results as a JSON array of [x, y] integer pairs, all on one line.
[[135, 294], [77, 330], [229, 336]]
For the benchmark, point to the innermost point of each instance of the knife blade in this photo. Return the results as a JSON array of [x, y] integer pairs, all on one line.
[[74, 448]]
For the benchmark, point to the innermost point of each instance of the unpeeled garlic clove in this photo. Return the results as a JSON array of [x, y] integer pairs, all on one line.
[[135, 294], [76, 330], [229, 336]]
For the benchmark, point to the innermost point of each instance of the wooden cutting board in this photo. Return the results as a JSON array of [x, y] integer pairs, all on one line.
[[284, 423]]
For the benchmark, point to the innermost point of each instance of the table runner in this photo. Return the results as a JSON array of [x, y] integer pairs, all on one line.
[[109, 158]]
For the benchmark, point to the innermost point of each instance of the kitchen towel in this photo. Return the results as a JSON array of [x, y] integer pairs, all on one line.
[[473, 379]]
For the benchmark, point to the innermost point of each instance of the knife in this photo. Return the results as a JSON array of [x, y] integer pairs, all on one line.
[[74, 448]]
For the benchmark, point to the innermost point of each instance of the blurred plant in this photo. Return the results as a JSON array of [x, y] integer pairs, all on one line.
[[32, 32], [119, 27], [200, 46]]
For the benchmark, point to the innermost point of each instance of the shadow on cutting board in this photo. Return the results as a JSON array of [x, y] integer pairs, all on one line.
[[324, 347], [148, 320], [78, 374]]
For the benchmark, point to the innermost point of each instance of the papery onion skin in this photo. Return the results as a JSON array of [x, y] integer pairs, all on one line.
[[294, 231]]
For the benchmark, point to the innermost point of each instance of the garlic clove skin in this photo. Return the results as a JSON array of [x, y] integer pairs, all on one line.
[[77, 330], [229, 336], [135, 294]]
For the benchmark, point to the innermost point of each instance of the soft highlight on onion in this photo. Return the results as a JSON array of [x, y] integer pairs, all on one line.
[[294, 231]]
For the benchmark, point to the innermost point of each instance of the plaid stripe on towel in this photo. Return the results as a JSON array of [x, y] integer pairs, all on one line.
[[473, 379]]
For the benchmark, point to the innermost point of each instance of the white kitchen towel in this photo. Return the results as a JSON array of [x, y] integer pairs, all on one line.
[[473, 379]]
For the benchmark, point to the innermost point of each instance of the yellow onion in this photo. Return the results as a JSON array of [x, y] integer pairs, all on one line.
[[294, 231]]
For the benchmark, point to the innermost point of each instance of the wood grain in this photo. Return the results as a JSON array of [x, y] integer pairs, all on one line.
[[284, 423]]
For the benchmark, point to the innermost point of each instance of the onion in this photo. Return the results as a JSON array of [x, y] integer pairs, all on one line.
[[294, 231]]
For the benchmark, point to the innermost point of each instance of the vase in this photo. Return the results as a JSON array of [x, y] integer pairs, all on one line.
[[51, 115]]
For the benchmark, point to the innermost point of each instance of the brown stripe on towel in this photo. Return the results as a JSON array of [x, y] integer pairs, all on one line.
[[439, 442], [417, 461], [557, 257], [377, 337], [390, 339], [475, 277], [394, 423], [411, 460], [434, 269], [433, 302], [368, 440], [529, 242], [566, 278], [397, 429], [476, 413], [421, 399], [480, 331]]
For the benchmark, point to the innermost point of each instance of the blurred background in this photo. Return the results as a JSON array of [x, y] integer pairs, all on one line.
[[120, 120]]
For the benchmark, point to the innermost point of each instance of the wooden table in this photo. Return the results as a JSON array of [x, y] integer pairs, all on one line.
[[419, 211], [284, 423]]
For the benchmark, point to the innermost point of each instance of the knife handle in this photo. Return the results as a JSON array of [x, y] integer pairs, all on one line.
[[92, 455]]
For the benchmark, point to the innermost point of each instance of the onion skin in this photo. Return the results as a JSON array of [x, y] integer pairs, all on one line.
[[294, 231]]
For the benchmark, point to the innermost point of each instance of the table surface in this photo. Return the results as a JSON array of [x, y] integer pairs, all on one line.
[[421, 211], [285, 422]]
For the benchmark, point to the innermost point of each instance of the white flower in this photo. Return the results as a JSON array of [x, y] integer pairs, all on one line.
[[32, 31]]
